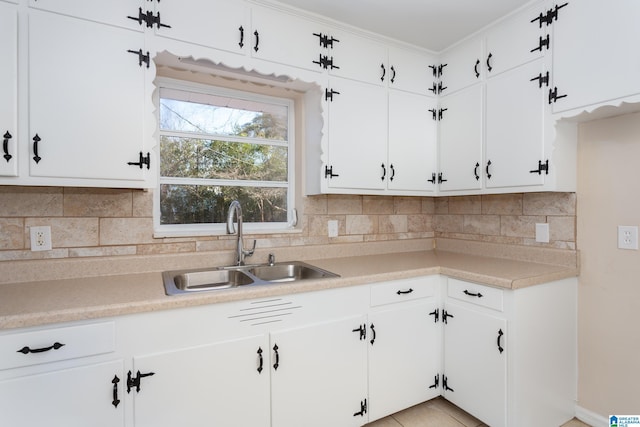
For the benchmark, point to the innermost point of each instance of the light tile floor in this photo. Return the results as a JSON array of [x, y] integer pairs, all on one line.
[[440, 413]]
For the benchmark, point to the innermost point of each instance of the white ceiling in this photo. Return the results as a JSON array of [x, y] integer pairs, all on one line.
[[432, 24]]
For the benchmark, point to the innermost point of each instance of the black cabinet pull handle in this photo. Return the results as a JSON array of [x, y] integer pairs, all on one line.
[[260, 359], [241, 29], [393, 172], [27, 350], [487, 169], [36, 140], [384, 172], [373, 331], [384, 72], [277, 363], [475, 172], [489, 67], [5, 145], [466, 292], [393, 74], [404, 292], [500, 334], [257, 34], [115, 402], [475, 69]]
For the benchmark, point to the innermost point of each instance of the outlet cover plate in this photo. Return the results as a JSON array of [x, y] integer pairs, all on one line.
[[40, 238], [628, 237]]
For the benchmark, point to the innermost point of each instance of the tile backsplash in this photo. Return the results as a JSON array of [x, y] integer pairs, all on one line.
[[115, 222]]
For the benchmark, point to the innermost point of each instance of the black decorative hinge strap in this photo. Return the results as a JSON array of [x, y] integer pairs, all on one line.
[[445, 384], [445, 316], [440, 112], [542, 167], [542, 79], [142, 57], [5, 145], [328, 94], [328, 172], [542, 43], [436, 382], [553, 95], [433, 177], [441, 179], [549, 17], [144, 160], [325, 62], [148, 18], [362, 329], [363, 409], [436, 315], [325, 41], [135, 381]]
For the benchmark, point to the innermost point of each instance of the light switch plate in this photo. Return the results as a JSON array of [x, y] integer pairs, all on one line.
[[332, 228], [628, 237], [542, 233]]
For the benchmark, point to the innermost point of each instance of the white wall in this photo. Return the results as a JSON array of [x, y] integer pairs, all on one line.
[[609, 290]]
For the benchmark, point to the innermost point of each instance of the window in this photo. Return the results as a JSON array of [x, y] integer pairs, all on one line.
[[218, 145]]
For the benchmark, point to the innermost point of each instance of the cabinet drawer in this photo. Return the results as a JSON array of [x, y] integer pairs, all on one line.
[[403, 290], [473, 293], [52, 345]]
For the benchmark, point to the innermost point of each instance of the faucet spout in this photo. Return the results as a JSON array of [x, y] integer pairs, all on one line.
[[241, 253]]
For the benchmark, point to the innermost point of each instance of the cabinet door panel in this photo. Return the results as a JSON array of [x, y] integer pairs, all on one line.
[[515, 127], [86, 99], [464, 66], [213, 23], [76, 397], [321, 377], [461, 146], [474, 366], [592, 59], [411, 71], [361, 59], [357, 135], [412, 141], [404, 358], [8, 89], [114, 12], [217, 384]]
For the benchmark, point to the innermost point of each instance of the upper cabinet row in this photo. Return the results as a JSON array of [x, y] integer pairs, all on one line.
[[76, 91]]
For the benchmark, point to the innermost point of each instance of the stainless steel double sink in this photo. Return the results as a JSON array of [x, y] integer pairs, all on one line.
[[210, 279]]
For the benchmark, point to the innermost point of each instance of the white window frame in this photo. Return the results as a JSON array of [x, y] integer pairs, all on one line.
[[185, 230]]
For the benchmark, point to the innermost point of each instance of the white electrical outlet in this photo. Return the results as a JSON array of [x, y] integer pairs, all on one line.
[[628, 237], [332, 228], [40, 238]]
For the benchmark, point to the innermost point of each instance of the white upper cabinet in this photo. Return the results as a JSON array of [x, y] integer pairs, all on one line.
[[86, 98], [410, 70], [515, 41], [595, 55], [220, 24], [461, 66], [115, 12], [359, 58], [8, 89]]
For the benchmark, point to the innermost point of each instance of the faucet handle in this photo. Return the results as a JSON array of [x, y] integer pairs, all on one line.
[[250, 251]]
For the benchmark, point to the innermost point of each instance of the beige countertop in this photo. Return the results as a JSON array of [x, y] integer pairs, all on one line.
[[46, 302]]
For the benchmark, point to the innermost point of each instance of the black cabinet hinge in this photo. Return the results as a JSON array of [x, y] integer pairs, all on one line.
[[328, 94], [325, 62], [437, 69], [445, 316], [437, 88], [433, 177], [542, 79], [553, 95], [437, 114], [542, 167], [363, 409], [542, 43], [135, 381], [144, 160], [149, 18], [549, 17], [440, 179], [328, 172], [142, 57], [362, 330], [445, 384], [436, 382], [325, 41], [436, 315]]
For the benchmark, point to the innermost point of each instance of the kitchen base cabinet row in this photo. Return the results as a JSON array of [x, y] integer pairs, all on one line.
[[341, 357]]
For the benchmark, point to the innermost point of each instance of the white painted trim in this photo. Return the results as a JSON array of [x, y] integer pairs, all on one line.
[[591, 418]]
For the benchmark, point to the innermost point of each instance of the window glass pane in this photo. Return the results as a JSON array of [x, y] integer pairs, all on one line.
[[217, 115], [196, 204], [217, 159]]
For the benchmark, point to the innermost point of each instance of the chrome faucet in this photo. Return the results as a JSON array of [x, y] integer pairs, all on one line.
[[241, 253]]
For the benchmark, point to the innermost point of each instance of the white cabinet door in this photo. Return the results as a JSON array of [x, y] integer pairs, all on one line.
[[91, 395], [357, 135], [86, 100], [216, 384], [462, 66], [360, 58], [475, 366], [113, 12], [515, 127], [410, 71], [220, 24], [8, 89], [412, 142], [515, 41], [405, 357], [285, 39], [460, 146], [594, 55], [319, 375]]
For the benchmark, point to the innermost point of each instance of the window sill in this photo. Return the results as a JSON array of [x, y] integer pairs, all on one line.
[[158, 234]]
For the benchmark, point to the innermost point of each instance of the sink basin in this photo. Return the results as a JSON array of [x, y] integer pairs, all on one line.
[[199, 280], [289, 272]]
